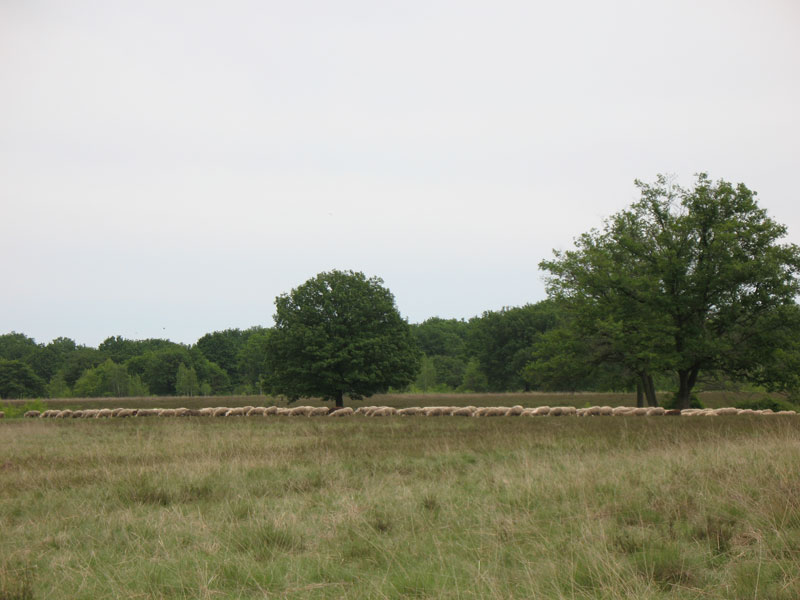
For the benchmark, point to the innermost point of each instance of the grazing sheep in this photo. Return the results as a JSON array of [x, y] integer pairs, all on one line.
[[127, 412], [319, 411], [148, 412], [236, 412], [620, 410], [462, 412], [432, 411], [528, 412], [556, 411], [49, 414], [283, 412], [673, 412], [727, 411], [167, 412], [341, 412], [104, 413], [384, 411], [207, 412], [258, 411], [220, 411], [655, 411], [786, 412], [640, 412], [515, 411], [301, 411], [64, 414], [32, 414], [541, 411], [90, 413], [409, 412], [606, 411]]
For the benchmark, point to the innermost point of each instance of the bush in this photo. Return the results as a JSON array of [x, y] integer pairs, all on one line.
[[694, 402], [15, 411], [767, 402]]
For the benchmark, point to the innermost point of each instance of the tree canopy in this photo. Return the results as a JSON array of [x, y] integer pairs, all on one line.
[[684, 280], [339, 334]]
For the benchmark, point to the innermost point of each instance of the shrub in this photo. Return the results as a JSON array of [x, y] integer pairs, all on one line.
[[767, 402]]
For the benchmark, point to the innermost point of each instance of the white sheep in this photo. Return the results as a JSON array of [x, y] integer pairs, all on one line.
[[462, 412], [270, 410], [341, 412], [207, 412], [220, 411], [541, 411], [409, 411], [32, 414], [656, 411], [319, 411], [515, 411], [258, 411]]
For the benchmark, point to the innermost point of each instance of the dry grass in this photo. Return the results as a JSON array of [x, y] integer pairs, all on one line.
[[401, 508]]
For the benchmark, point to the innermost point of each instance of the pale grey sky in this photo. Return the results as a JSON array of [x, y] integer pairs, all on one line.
[[168, 168]]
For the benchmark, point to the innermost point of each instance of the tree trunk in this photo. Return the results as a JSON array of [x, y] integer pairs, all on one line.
[[686, 380], [639, 394], [652, 399], [648, 387], [339, 399]]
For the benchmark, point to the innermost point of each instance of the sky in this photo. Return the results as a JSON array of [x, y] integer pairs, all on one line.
[[167, 168]]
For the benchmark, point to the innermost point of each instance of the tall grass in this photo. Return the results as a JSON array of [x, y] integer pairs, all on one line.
[[401, 508]]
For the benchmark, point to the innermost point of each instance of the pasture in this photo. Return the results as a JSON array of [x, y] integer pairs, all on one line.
[[400, 508]]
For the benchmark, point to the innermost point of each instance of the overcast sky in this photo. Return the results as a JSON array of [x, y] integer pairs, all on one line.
[[168, 167]]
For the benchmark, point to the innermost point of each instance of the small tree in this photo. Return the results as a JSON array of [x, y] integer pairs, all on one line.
[[339, 333], [427, 375], [186, 383]]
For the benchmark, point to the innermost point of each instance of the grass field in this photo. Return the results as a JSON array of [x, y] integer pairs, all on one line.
[[401, 508]]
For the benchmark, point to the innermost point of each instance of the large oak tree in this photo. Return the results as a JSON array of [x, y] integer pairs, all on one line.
[[685, 280], [339, 334]]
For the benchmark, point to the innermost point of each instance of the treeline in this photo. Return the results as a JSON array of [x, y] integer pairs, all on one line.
[[498, 351]]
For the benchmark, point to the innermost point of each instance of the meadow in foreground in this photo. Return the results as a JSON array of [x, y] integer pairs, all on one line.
[[403, 507]]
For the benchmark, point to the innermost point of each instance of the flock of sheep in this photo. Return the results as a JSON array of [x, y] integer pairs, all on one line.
[[388, 411]]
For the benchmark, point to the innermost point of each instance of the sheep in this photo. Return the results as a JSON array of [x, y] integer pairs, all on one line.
[[127, 412], [606, 411], [673, 412], [727, 411], [541, 411], [462, 412], [583, 412], [515, 411], [620, 410], [258, 411], [49, 414], [220, 411], [32, 414], [64, 414], [432, 411], [786, 412], [319, 411], [148, 412], [384, 411], [409, 412], [90, 413], [655, 411], [528, 412], [283, 412], [362, 410], [207, 412], [341, 412], [301, 411], [167, 412], [77, 414], [270, 410], [104, 413]]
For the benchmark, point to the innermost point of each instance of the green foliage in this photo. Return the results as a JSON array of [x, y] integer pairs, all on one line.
[[58, 388], [474, 378], [186, 383], [17, 380], [252, 358], [449, 370], [684, 281], [675, 402], [767, 403], [106, 379], [15, 411], [16, 346], [339, 333], [426, 379], [442, 337], [503, 341], [222, 348]]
